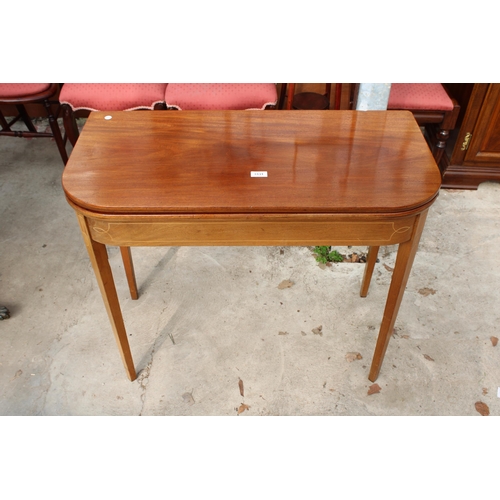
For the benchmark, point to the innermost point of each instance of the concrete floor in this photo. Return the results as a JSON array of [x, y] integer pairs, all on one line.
[[209, 317]]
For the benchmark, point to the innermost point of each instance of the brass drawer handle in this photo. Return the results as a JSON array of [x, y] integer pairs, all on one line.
[[465, 144]]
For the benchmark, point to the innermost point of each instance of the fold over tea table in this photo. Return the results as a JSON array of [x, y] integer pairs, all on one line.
[[168, 178]]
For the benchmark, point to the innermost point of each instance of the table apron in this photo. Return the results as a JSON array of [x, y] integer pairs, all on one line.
[[248, 232]]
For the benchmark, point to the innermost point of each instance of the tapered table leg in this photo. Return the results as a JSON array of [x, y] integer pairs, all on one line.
[[404, 261], [99, 259], [370, 264], [128, 264]]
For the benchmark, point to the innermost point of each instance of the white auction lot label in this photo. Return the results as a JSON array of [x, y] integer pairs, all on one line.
[[258, 173]]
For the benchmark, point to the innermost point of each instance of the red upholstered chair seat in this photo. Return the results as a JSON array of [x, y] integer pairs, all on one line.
[[107, 97], [211, 96], [426, 96], [112, 96], [8, 90]]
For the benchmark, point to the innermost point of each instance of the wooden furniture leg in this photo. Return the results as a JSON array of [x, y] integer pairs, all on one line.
[[25, 117], [54, 126], [281, 99], [369, 266], [3, 123], [128, 264], [289, 98], [99, 259], [404, 261], [70, 125]]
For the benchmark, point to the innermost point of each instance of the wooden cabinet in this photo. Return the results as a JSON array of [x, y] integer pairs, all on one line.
[[475, 156]]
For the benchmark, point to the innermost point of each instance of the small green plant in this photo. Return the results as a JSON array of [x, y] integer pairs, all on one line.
[[325, 254]]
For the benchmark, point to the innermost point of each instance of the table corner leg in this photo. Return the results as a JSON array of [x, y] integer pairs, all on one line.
[[369, 266], [404, 261], [128, 265], [99, 258]]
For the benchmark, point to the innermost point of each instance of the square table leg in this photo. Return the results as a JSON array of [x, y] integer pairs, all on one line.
[[370, 264], [99, 259], [128, 264], [402, 269]]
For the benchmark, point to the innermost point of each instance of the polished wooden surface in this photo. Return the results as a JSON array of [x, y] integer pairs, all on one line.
[[365, 178], [200, 162]]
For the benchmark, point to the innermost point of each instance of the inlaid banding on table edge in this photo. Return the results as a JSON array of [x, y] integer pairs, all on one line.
[[250, 233]]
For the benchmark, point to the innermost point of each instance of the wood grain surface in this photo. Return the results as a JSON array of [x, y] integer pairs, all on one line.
[[188, 162]]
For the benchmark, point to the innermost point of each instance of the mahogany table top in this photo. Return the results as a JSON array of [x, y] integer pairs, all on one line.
[[200, 162]]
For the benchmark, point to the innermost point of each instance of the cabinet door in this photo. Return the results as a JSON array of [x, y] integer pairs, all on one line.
[[484, 148]]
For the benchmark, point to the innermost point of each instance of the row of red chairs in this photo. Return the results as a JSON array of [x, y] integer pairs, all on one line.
[[430, 103], [123, 97]]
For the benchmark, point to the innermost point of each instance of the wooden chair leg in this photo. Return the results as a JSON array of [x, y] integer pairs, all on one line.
[[338, 96], [281, 99], [3, 123], [128, 264], [25, 117], [291, 93], [56, 132], [369, 266], [328, 91], [70, 125], [443, 131]]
